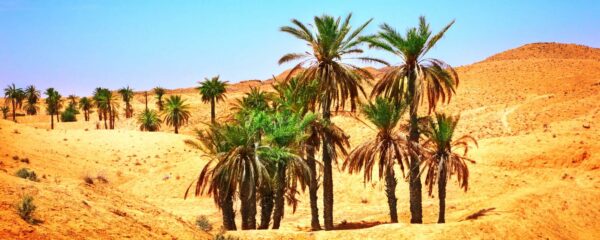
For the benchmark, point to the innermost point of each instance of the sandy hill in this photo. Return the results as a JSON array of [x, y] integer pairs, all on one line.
[[536, 174]]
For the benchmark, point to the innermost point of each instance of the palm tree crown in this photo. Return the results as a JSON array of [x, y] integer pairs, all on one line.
[[176, 112], [127, 95], [212, 91], [12, 94]]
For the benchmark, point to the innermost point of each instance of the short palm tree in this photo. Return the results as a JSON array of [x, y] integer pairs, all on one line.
[[176, 112], [5, 110], [385, 150], [338, 81], [284, 133], [20, 97], [159, 92], [53, 104], [448, 157], [234, 168], [32, 96], [254, 100], [11, 93], [416, 79], [127, 95], [85, 104], [149, 121], [212, 90]]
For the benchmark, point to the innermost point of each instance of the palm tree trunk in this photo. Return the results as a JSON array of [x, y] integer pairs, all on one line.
[[416, 208], [442, 193], [51, 121], [176, 129], [327, 173], [104, 117], [312, 188], [266, 207], [57, 116], [390, 192], [14, 108], [279, 197], [99, 115], [228, 212], [248, 208], [212, 110]]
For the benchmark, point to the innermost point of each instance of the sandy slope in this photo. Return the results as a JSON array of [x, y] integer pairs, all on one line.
[[535, 110]]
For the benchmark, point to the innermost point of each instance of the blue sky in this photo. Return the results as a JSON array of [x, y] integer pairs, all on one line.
[[76, 46]]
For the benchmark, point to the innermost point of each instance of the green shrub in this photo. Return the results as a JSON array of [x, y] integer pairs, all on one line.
[[26, 209], [203, 223], [27, 174], [68, 115]]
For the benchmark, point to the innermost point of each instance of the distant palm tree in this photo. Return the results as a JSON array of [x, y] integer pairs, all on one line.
[[127, 95], [32, 95], [97, 101], [20, 97], [85, 104], [176, 112], [11, 92], [72, 99], [212, 90], [159, 92], [254, 100], [338, 82], [107, 105], [445, 159], [415, 80], [53, 104], [149, 121], [385, 150], [5, 111]]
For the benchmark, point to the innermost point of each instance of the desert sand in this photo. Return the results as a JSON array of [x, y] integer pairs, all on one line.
[[534, 110]]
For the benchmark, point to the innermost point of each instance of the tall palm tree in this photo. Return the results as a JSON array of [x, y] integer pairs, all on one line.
[[107, 105], [32, 95], [127, 95], [85, 104], [149, 120], [159, 92], [176, 112], [53, 104], [97, 101], [416, 79], [384, 150], [338, 82], [11, 93], [234, 168], [212, 90], [446, 158]]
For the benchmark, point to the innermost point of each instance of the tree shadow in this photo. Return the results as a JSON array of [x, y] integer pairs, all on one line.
[[480, 213], [344, 225]]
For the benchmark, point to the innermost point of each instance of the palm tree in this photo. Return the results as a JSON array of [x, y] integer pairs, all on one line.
[[85, 104], [384, 150], [254, 100], [53, 104], [127, 95], [97, 101], [32, 95], [72, 99], [149, 121], [107, 105], [414, 80], [234, 167], [5, 111], [212, 90], [338, 82], [11, 92], [19, 98], [159, 92], [176, 112], [283, 135], [445, 159]]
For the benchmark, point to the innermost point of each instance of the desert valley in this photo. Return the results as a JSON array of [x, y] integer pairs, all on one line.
[[534, 111]]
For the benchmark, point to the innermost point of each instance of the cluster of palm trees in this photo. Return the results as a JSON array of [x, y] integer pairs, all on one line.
[[266, 151], [16, 96]]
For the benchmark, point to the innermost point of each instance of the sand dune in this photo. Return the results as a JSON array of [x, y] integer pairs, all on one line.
[[534, 110]]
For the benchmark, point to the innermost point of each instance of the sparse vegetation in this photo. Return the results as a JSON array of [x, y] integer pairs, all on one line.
[[26, 209], [203, 223], [27, 174]]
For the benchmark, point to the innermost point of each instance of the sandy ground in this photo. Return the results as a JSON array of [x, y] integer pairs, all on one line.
[[534, 110]]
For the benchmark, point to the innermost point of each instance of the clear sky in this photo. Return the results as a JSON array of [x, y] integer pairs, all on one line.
[[76, 46]]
